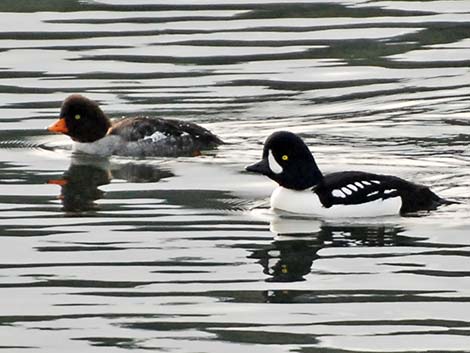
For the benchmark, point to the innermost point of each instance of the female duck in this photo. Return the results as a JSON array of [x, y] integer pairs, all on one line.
[[94, 133], [304, 189]]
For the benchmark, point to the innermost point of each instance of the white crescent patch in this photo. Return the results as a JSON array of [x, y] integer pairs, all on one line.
[[273, 165]]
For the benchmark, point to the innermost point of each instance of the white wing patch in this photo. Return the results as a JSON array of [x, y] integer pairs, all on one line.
[[156, 136], [273, 165], [338, 193], [349, 189], [352, 187], [372, 193]]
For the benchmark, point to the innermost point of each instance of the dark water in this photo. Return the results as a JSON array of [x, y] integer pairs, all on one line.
[[171, 255]]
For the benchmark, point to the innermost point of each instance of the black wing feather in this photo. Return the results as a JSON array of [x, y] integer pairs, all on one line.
[[414, 197], [358, 187], [137, 128]]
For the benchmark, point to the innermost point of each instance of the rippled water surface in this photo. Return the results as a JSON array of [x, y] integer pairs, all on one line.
[[181, 255]]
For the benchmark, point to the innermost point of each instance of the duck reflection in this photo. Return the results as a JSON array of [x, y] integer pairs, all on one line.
[[80, 183], [289, 258]]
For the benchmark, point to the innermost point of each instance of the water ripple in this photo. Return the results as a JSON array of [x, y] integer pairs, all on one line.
[[180, 255]]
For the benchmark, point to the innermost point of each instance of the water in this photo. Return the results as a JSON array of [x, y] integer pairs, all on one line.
[[181, 255]]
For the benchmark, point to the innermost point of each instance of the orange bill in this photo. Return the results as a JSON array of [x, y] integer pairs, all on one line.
[[61, 182], [59, 126]]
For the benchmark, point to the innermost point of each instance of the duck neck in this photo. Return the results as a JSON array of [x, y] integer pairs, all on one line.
[[312, 177], [105, 124]]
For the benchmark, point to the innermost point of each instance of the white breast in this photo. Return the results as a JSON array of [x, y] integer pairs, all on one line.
[[307, 202], [105, 146]]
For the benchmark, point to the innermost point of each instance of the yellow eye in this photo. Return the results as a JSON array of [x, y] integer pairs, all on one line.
[[77, 117], [285, 157]]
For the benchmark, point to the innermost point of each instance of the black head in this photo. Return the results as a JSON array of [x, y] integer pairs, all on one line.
[[81, 119], [288, 161]]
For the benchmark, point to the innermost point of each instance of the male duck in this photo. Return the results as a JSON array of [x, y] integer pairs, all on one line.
[[304, 189], [94, 133]]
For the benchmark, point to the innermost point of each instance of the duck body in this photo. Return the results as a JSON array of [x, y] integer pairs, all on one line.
[[304, 189], [356, 194], [93, 133]]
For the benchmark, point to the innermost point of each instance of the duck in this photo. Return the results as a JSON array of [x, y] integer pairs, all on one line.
[[94, 133], [304, 189]]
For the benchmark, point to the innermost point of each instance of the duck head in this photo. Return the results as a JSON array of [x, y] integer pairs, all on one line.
[[288, 161], [81, 119]]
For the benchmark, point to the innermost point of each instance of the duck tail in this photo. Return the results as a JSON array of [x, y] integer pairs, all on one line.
[[426, 201], [437, 201], [443, 202]]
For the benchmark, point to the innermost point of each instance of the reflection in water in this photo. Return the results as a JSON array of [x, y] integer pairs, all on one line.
[[290, 256], [292, 259], [80, 183]]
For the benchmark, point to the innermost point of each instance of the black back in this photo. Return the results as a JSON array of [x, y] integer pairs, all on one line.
[[137, 128]]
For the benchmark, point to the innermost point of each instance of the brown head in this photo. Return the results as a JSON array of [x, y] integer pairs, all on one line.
[[81, 119]]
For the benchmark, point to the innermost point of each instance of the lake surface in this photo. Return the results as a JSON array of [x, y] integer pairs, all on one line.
[[182, 255]]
